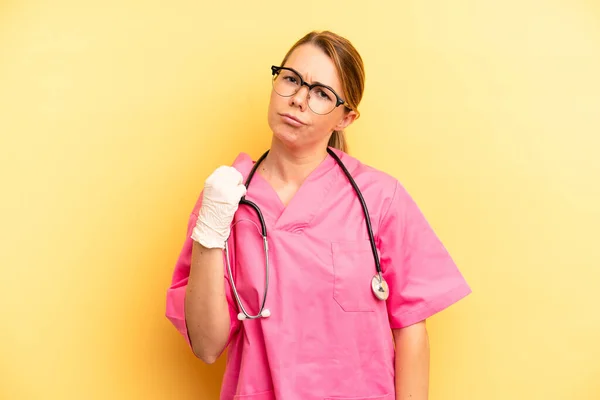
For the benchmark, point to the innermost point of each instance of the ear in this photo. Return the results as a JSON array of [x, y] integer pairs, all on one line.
[[349, 118]]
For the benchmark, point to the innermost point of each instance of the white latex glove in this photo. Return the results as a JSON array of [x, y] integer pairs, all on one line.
[[223, 190]]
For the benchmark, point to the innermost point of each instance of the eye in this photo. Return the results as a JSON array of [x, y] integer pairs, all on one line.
[[324, 94], [290, 78]]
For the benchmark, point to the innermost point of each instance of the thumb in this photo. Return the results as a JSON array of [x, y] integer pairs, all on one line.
[[240, 191]]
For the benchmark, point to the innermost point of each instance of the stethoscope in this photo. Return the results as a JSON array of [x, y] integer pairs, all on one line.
[[378, 285]]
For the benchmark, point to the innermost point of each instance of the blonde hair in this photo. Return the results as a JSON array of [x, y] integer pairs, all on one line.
[[349, 66]]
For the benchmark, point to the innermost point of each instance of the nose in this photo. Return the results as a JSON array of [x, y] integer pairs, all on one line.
[[300, 99]]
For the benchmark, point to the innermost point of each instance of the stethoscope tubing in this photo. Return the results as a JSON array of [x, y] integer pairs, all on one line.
[[263, 228]]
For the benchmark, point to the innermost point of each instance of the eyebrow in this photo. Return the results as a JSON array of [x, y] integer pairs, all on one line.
[[314, 82]]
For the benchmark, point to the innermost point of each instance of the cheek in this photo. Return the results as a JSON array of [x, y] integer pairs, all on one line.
[[326, 123], [272, 102], [272, 108], [279, 101]]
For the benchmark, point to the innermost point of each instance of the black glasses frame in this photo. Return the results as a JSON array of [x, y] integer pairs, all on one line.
[[339, 101]]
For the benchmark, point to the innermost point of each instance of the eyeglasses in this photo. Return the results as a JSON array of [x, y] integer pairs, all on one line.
[[321, 98]]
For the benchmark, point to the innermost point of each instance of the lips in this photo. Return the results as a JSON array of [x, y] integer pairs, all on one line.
[[292, 120]]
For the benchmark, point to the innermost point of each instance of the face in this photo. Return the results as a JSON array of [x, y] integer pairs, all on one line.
[[290, 118]]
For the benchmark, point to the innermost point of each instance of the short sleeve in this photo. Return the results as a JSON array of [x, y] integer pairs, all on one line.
[[175, 301], [422, 277]]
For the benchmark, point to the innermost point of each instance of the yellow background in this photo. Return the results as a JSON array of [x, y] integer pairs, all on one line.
[[113, 113]]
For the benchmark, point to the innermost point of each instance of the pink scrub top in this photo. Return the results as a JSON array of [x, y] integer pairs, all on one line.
[[328, 336]]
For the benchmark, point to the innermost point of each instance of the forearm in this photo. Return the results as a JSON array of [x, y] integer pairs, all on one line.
[[206, 309], [412, 362]]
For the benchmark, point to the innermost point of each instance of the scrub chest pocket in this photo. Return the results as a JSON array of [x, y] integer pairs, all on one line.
[[353, 268]]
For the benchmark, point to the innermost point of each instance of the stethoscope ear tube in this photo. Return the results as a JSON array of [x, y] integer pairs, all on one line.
[[263, 312], [263, 226]]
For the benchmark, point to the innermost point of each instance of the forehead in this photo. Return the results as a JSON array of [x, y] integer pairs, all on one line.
[[314, 66]]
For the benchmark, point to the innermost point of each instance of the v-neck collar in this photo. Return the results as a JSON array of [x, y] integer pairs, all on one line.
[[305, 203]]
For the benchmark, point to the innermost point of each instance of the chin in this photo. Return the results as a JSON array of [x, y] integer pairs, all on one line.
[[287, 135]]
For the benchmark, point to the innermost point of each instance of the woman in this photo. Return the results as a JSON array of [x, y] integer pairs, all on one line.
[[331, 326]]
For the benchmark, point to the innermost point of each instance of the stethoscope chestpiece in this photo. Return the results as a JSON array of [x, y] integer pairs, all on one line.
[[380, 287]]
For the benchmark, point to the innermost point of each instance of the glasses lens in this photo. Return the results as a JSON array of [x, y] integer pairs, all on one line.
[[286, 83], [322, 100]]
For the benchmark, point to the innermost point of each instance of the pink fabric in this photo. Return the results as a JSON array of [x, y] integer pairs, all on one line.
[[328, 337]]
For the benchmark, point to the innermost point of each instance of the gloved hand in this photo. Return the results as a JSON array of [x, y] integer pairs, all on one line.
[[223, 190]]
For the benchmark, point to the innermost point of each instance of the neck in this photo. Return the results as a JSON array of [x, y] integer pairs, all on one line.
[[291, 165]]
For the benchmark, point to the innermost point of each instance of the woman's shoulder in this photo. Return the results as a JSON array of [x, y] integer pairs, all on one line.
[[380, 189], [243, 162], [367, 173]]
